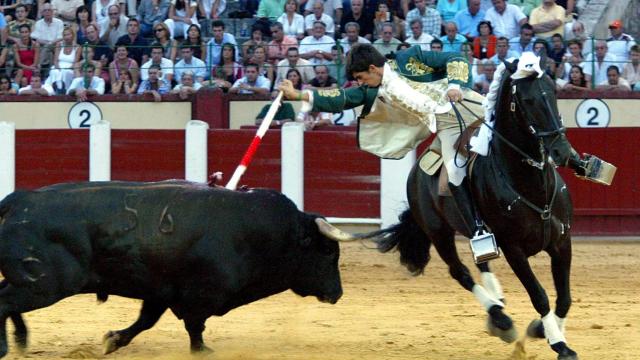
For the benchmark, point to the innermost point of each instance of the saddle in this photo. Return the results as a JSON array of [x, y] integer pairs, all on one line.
[[431, 160]]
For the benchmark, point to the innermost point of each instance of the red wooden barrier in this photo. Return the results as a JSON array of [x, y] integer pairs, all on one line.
[[340, 180]]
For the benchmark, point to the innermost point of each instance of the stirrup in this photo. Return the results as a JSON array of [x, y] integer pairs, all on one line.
[[483, 245]]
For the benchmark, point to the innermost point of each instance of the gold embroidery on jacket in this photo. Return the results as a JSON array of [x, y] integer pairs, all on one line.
[[458, 71], [329, 92], [417, 68], [433, 89], [393, 65]]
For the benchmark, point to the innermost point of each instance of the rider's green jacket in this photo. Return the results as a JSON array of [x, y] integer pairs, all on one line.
[[412, 64]]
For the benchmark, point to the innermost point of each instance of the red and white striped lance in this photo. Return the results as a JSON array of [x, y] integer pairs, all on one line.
[[248, 155]]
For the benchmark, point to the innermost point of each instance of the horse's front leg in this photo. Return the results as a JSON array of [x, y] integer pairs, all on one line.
[[561, 270], [521, 267]]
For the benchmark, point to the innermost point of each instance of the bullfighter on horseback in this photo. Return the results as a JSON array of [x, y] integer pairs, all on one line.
[[400, 97]]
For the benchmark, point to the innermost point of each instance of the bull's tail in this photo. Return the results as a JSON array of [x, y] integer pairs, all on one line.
[[409, 239]]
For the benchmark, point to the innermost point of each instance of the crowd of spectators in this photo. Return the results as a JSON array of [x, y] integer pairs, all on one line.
[[91, 47]]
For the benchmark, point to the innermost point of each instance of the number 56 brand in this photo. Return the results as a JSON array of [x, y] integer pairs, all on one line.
[[83, 114]]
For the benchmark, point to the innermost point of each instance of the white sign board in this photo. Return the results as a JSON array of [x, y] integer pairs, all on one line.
[[593, 113], [83, 114]]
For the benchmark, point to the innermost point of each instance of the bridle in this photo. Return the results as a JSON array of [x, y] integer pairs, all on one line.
[[557, 131]]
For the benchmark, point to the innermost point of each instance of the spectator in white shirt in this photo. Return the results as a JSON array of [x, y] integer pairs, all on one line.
[[187, 85], [190, 63], [212, 9], [418, 37], [599, 64], [431, 19], [36, 87], [319, 15], [352, 31], [65, 10], [614, 81], [165, 64], [292, 22], [113, 27], [47, 32], [86, 85], [332, 8], [293, 61], [182, 14], [251, 83], [317, 47], [631, 70], [506, 19], [619, 43]]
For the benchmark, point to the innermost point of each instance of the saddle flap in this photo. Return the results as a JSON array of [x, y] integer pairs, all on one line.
[[430, 162]]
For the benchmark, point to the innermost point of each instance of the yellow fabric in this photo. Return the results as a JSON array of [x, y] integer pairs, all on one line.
[[540, 15]]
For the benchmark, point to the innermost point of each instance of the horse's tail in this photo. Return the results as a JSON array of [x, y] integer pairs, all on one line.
[[409, 239]]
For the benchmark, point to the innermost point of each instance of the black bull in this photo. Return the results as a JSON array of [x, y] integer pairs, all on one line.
[[196, 250]]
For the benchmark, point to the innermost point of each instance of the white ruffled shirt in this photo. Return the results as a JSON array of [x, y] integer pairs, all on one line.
[[394, 89]]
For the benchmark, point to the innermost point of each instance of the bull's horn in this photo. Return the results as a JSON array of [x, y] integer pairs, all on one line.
[[333, 232]]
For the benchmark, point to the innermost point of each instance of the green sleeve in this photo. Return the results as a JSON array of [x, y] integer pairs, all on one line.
[[336, 100], [286, 112], [263, 112], [453, 64]]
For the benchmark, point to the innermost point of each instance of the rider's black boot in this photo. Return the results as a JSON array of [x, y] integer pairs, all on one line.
[[464, 203], [483, 244]]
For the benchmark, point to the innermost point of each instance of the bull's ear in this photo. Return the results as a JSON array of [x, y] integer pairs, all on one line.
[[305, 241]]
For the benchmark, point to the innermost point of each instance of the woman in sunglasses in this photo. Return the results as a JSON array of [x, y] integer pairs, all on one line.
[[163, 37]]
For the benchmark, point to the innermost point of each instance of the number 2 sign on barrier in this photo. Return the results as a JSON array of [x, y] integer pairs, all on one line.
[[593, 113], [83, 114]]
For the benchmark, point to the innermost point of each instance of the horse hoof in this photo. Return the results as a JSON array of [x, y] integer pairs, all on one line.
[[568, 357], [507, 335], [564, 352], [110, 342], [535, 329], [201, 349]]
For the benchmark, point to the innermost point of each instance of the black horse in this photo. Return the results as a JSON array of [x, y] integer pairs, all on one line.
[[521, 198]]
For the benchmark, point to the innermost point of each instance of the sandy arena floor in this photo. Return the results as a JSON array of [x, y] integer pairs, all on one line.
[[384, 314]]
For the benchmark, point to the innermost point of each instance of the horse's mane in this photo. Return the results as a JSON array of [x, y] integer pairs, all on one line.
[[501, 108]]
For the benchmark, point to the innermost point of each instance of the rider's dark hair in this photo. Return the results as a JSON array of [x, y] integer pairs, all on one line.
[[360, 57]]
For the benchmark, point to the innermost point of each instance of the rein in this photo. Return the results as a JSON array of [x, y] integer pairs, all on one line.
[[528, 159]]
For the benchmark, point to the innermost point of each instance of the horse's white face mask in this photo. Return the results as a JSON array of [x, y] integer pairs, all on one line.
[[528, 65]]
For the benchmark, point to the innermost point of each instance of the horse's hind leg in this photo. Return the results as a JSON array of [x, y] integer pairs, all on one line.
[[520, 265], [490, 282], [499, 323]]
